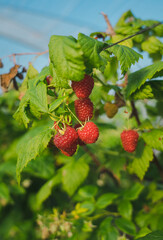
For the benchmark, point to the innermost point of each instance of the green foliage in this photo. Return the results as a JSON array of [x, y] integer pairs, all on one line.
[[66, 58], [91, 49], [157, 235], [31, 145], [125, 55], [101, 192], [73, 174], [149, 90], [138, 78], [143, 157]]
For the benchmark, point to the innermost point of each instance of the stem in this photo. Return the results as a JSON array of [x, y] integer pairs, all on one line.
[[110, 29], [135, 113], [103, 169], [75, 117], [106, 213], [28, 53]]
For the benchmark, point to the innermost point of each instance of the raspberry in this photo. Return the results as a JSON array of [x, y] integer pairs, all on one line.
[[89, 133], [129, 140], [80, 142], [67, 139], [83, 88], [48, 79], [84, 109], [70, 151], [111, 109]]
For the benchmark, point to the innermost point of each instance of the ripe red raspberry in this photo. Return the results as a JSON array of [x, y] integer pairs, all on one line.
[[67, 139], [80, 142], [83, 88], [84, 109], [89, 133], [70, 151], [129, 140]]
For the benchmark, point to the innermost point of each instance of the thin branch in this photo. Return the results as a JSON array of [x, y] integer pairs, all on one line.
[[124, 84], [28, 53], [110, 29], [135, 113], [133, 35], [102, 169]]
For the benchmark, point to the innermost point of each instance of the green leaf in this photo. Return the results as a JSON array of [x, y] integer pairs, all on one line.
[[140, 164], [149, 90], [43, 74], [106, 231], [91, 49], [127, 56], [125, 225], [88, 191], [46, 189], [105, 200], [133, 192], [21, 115], [125, 209], [38, 97], [138, 78], [55, 104], [122, 20], [154, 138], [31, 145], [118, 37], [152, 45], [73, 174], [146, 124], [157, 235], [67, 58], [89, 206]]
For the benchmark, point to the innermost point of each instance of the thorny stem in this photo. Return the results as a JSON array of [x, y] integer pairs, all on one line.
[[103, 169]]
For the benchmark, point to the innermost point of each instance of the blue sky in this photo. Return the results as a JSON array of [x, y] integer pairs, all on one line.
[[26, 26]]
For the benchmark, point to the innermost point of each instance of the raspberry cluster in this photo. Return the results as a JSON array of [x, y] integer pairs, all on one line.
[[69, 137], [83, 105]]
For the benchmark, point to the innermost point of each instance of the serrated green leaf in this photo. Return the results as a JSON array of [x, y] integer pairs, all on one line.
[[91, 49], [57, 81], [140, 164], [55, 104], [122, 19], [31, 145], [133, 192], [67, 58], [157, 235], [43, 74], [125, 225], [127, 56], [149, 90], [21, 115], [138, 78], [38, 97], [73, 174], [125, 209], [105, 200], [154, 138], [46, 189]]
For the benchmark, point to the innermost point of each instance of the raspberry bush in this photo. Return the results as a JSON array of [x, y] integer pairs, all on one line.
[[82, 141]]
